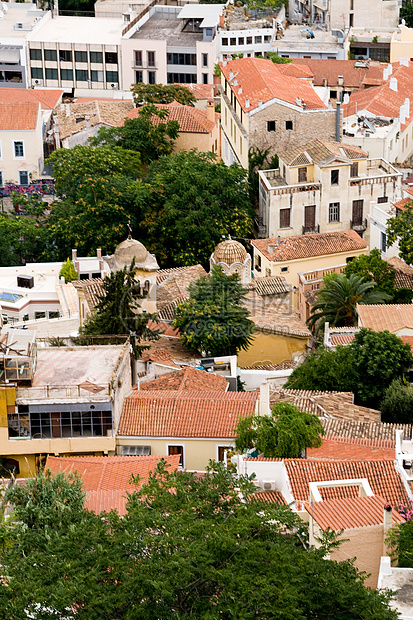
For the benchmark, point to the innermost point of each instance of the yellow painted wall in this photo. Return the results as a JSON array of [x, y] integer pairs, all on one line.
[[404, 47], [197, 452], [271, 348]]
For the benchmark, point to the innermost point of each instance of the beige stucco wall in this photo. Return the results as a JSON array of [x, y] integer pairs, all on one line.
[[200, 141], [197, 452], [128, 47], [401, 46], [271, 348], [33, 152], [366, 13]]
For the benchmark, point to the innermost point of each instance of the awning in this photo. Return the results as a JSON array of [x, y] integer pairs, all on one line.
[[9, 56]]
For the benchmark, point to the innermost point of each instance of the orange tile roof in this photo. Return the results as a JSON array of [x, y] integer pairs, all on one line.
[[319, 152], [401, 204], [48, 99], [202, 91], [191, 120], [261, 80], [344, 448], [381, 475], [341, 339], [295, 70], [269, 497], [173, 413], [19, 116], [387, 316], [307, 246], [331, 69], [188, 379], [407, 340], [158, 356], [381, 434], [105, 501], [350, 512], [109, 473]]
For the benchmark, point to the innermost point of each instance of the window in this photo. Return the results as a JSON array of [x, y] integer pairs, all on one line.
[[19, 149], [267, 272], [66, 74], [50, 55], [51, 74], [383, 242], [334, 176], [35, 54], [1, 178], [96, 76], [151, 59], [82, 75], [138, 77], [136, 450], [65, 55], [333, 94], [354, 169], [241, 40], [232, 41], [205, 78], [96, 57], [285, 218], [138, 58], [334, 212], [357, 213], [81, 56], [208, 32], [309, 218], [225, 41], [182, 59], [151, 77], [177, 450], [112, 76], [204, 60], [284, 269], [258, 39], [37, 73], [23, 177], [302, 175], [221, 451], [288, 125], [249, 40], [267, 38], [270, 125], [182, 78], [258, 262], [382, 199], [111, 58]]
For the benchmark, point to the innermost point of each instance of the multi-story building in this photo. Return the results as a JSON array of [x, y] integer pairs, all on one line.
[[344, 14], [264, 108], [171, 44], [323, 187]]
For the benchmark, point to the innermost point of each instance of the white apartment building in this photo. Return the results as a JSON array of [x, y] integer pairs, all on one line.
[[344, 14], [324, 187]]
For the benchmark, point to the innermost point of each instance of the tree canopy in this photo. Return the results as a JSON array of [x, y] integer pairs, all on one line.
[[406, 13], [188, 547], [68, 271], [213, 319], [365, 367], [161, 93], [400, 229], [286, 433], [151, 134], [22, 239], [397, 403], [189, 202], [372, 268]]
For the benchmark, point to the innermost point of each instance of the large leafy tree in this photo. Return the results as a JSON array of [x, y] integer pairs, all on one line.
[[150, 133], [286, 433], [365, 367], [213, 320], [372, 268], [397, 403], [162, 93], [189, 202], [22, 239], [118, 310], [400, 228], [188, 547], [336, 302], [406, 13]]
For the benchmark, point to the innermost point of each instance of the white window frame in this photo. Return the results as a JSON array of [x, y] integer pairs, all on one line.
[[222, 445], [180, 445], [14, 149], [28, 178], [126, 450]]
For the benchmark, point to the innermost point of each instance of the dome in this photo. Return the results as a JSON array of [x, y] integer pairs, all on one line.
[[230, 252], [130, 249]]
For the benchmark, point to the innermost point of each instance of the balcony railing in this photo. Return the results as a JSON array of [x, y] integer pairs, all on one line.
[[358, 226], [309, 230]]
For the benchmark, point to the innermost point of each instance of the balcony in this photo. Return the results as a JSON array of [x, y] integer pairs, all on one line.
[[358, 226], [310, 230], [144, 65]]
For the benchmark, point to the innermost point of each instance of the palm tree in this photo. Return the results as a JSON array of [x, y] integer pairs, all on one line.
[[337, 301]]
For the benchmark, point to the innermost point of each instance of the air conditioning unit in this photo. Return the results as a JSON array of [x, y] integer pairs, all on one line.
[[19, 25], [37, 82], [267, 485], [113, 85]]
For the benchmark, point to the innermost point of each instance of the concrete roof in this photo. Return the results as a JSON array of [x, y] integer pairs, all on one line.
[[100, 30], [209, 13]]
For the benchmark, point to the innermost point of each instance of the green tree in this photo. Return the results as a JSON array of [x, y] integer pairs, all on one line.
[[400, 538], [400, 229], [258, 159], [406, 13], [286, 433], [68, 271], [397, 403], [22, 240], [325, 370], [213, 320], [162, 93], [372, 268], [117, 311], [189, 202], [336, 302], [150, 133], [277, 59]]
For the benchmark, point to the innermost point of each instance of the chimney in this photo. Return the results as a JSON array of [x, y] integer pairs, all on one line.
[[346, 98], [264, 401], [278, 240], [390, 69], [247, 103], [340, 80], [393, 84], [338, 122], [231, 75], [99, 253], [407, 107], [325, 82], [211, 110], [235, 82], [260, 103], [402, 114], [74, 255], [404, 62], [388, 517], [240, 90], [385, 74]]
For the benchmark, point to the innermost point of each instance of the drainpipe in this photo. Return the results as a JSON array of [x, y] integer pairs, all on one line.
[[338, 120]]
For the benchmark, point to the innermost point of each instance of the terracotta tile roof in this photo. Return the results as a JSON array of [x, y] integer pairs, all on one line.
[[202, 91], [319, 151], [381, 475], [307, 246], [381, 434], [105, 501], [48, 99], [169, 351], [74, 117], [173, 284], [92, 289], [109, 473], [269, 497], [288, 365], [272, 285], [404, 272], [188, 379], [353, 448], [159, 356], [275, 318], [387, 316], [167, 313], [350, 513], [19, 116], [331, 69], [401, 204], [184, 413], [407, 340], [295, 70], [190, 119], [164, 328], [261, 80], [400, 265], [341, 339]]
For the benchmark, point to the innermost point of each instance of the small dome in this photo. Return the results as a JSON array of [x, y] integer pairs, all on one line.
[[230, 252], [130, 249]]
